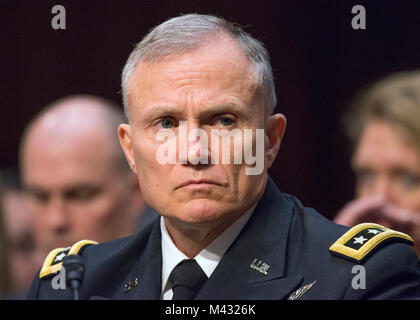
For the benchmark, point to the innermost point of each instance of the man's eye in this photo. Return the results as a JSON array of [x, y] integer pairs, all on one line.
[[167, 123], [226, 121], [39, 196], [82, 194]]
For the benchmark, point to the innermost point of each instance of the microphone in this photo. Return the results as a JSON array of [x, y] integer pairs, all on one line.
[[75, 269]]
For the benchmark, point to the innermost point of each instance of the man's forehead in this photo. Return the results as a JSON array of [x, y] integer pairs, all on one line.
[[62, 172], [218, 42], [212, 57], [222, 67], [65, 161]]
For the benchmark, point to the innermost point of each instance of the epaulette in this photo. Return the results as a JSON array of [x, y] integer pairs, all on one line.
[[54, 260], [363, 239]]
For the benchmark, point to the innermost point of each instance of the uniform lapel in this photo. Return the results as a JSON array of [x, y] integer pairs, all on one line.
[[144, 282], [242, 273]]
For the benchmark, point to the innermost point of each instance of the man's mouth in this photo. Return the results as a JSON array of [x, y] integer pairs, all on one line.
[[200, 183]]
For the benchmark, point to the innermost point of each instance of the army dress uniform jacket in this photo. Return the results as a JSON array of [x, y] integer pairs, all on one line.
[[285, 251]]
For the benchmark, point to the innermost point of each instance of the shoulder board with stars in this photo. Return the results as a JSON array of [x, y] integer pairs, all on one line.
[[54, 260], [362, 240]]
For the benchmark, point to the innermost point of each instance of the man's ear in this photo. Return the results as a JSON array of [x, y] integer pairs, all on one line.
[[126, 142], [276, 126]]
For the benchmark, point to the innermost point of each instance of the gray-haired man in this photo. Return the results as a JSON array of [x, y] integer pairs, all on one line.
[[225, 233]]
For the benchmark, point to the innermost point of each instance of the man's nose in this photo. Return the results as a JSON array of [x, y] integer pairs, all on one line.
[[194, 146], [57, 217]]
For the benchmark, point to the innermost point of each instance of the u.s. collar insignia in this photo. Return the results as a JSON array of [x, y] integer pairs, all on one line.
[[360, 241], [260, 266], [130, 285]]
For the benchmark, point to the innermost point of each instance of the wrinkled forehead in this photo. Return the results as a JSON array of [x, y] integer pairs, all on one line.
[[218, 67], [211, 46]]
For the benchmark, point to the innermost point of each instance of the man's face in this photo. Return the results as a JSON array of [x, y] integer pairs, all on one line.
[[23, 262], [75, 191], [210, 88], [387, 165]]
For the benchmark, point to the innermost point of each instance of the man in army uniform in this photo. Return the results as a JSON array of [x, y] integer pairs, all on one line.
[[223, 233]]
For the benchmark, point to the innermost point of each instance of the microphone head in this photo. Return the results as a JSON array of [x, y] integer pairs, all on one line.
[[74, 267]]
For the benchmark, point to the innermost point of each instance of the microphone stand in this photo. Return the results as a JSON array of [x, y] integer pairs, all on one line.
[[75, 269]]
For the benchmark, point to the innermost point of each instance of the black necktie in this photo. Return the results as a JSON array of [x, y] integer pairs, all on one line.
[[187, 279]]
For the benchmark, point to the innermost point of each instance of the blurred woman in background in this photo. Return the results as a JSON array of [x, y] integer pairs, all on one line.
[[384, 128]]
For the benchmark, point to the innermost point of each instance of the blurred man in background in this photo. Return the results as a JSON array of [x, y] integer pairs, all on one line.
[[384, 128], [78, 182], [4, 259], [22, 262]]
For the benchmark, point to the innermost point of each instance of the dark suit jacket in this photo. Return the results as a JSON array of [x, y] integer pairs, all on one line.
[[291, 239]]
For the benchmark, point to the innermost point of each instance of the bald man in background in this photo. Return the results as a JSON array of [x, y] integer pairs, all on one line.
[[78, 182]]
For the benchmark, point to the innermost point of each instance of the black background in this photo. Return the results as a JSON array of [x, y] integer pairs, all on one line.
[[320, 62]]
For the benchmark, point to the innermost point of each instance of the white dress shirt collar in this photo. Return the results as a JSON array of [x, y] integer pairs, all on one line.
[[208, 258]]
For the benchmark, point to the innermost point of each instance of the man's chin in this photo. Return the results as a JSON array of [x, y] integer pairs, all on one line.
[[58, 244], [202, 211]]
